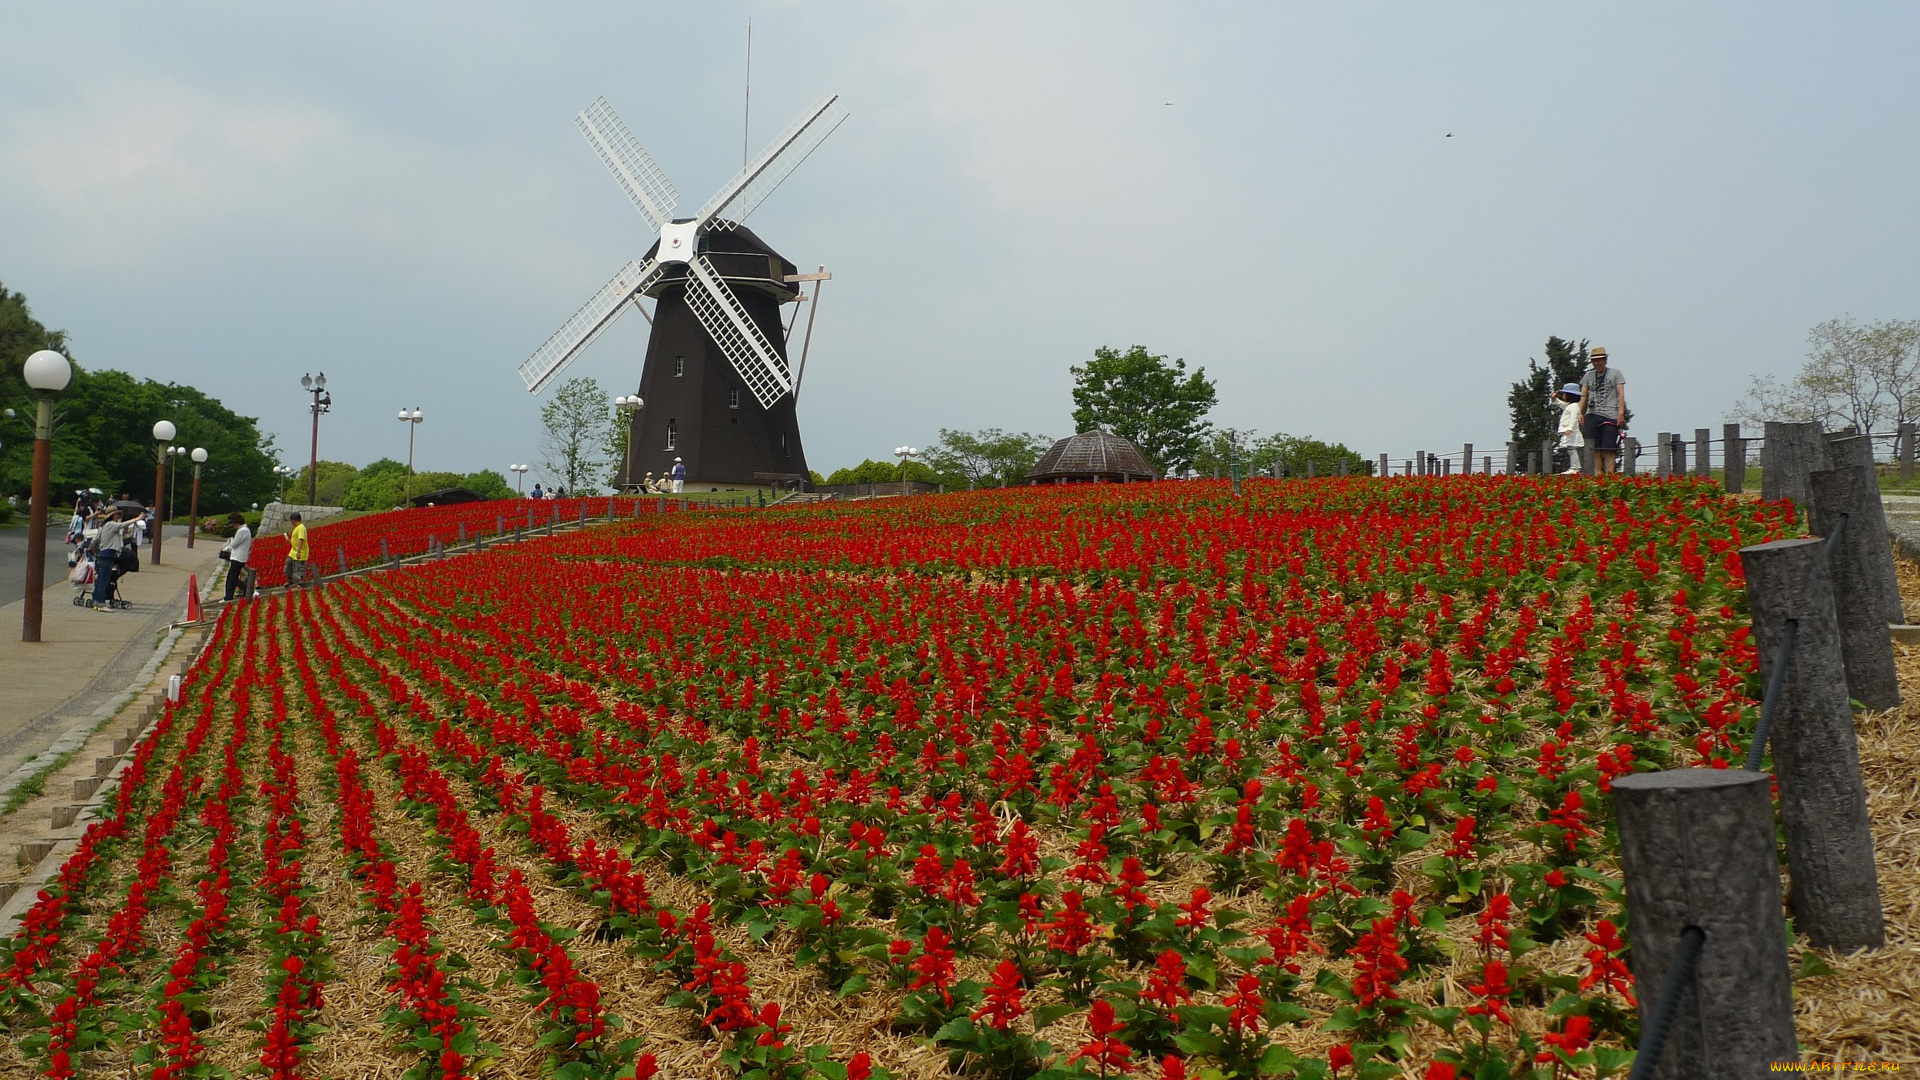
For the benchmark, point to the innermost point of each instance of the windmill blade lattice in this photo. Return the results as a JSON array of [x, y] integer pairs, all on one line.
[[760, 366], [578, 332], [751, 186], [639, 175]]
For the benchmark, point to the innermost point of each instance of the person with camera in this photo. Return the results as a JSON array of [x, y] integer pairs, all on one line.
[[235, 553]]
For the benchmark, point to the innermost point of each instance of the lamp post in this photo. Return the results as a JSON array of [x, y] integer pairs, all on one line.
[[629, 405], [174, 454], [519, 477], [163, 432], [47, 373], [193, 503], [322, 402], [283, 472], [905, 454], [412, 420]]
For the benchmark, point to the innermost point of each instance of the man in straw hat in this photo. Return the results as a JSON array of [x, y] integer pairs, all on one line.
[[1603, 410]]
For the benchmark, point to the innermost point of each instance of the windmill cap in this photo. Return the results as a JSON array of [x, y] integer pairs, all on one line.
[[1570, 388], [1598, 352]]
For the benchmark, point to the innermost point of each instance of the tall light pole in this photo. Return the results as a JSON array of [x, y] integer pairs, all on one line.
[[174, 454], [519, 477], [47, 373], [631, 406], [412, 420], [193, 504], [322, 402], [163, 432], [905, 454], [284, 472]]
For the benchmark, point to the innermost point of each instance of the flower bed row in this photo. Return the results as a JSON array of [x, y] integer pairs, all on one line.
[[1311, 781]]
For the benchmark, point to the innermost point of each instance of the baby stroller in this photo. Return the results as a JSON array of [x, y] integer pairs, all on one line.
[[83, 579]]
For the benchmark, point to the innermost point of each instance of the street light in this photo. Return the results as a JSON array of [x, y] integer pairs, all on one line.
[[630, 406], [174, 454], [193, 504], [163, 432], [284, 472], [905, 454], [519, 477], [47, 373], [322, 402], [412, 420]]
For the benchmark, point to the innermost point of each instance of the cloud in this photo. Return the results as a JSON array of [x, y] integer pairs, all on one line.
[[138, 171]]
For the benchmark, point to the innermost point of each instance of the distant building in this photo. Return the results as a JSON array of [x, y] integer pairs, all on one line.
[[1092, 457]]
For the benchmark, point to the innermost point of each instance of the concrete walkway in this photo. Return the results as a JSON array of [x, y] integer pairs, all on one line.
[[86, 661]]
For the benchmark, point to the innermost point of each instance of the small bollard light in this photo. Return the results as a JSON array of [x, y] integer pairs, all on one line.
[[173, 689]]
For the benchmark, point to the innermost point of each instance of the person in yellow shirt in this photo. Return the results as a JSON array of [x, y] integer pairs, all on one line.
[[298, 553]]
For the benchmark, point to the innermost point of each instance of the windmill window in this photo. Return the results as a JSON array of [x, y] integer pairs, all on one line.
[[733, 398], [679, 366], [784, 450], [673, 433]]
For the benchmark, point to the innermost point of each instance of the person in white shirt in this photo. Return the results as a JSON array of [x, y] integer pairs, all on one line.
[[1568, 402], [235, 553]]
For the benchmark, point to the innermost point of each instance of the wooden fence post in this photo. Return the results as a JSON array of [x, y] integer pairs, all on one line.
[[1866, 589], [1846, 450], [1629, 455], [1384, 468], [1513, 456], [1677, 458], [1466, 459], [1905, 451], [1662, 456], [1734, 452], [1703, 451], [1588, 462], [1790, 452], [463, 531], [1697, 849], [1547, 461], [1823, 801], [1486, 464]]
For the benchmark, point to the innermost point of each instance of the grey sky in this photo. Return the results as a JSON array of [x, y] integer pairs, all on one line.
[[233, 194]]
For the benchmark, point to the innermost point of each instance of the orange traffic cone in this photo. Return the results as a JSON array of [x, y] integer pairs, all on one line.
[[193, 598]]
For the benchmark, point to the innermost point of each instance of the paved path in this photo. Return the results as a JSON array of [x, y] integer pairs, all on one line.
[[87, 658], [13, 560]]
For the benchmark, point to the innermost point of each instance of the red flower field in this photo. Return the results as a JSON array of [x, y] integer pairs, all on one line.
[[1149, 780]]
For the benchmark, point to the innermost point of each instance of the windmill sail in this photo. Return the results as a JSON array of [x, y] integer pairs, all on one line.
[[639, 175], [576, 333], [750, 187], [759, 364]]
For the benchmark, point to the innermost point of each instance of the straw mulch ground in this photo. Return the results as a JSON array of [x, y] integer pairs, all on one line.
[[1868, 1009]]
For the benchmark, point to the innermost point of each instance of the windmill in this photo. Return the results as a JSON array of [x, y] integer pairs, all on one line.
[[718, 388]]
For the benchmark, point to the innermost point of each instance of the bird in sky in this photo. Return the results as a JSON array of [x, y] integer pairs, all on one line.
[[1449, 134]]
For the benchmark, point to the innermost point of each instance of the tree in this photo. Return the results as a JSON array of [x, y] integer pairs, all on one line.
[[1264, 455], [1141, 397], [576, 422], [986, 458], [1530, 401], [619, 430], [883, 472], [380, 486], [489, 484], [1866, 377], [335, 478]]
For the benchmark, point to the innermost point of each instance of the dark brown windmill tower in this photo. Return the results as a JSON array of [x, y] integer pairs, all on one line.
[[717, 385]]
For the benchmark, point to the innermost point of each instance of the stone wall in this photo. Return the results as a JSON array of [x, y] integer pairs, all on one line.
[[273, 517]]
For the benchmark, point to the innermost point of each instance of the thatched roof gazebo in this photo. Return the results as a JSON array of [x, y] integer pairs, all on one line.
[[1092, 457]]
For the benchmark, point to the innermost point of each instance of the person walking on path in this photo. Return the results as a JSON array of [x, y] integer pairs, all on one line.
[[1603, 410], [679, 477], [298, 553], [537, 493], [1568, 402], [235, 553], [107, 545]]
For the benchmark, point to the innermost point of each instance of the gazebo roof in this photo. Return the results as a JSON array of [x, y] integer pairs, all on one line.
[[1093, 454]]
